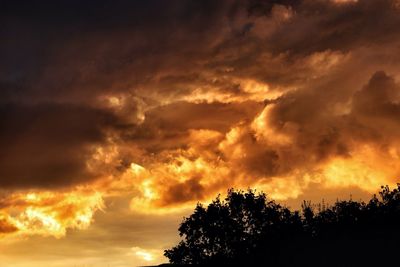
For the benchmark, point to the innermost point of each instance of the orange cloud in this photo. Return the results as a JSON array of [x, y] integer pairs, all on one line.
[[50, 213]]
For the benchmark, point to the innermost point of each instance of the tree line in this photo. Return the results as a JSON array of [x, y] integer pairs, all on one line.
[[247, 228]]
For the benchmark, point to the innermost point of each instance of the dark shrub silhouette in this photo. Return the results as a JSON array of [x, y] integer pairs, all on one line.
[[248, 229]]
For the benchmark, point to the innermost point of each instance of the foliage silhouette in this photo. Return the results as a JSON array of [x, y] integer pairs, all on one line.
[[249, 229]]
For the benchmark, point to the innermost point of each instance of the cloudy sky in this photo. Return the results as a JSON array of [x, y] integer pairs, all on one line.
[[117, 117]]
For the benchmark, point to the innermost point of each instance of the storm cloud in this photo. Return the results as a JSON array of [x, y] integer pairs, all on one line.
[[167, 103]]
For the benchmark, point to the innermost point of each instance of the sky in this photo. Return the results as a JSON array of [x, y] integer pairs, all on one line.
[[117, 117]]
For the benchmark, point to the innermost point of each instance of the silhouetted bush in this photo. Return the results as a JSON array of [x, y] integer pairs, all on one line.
[[249, 229]]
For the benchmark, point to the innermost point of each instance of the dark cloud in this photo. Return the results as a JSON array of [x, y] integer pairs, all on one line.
[[48, 145], [213, 116], [379, 98], [183, 192], [322, 25], [77, 51], [377, 108], [264, 7], [6, 226], [168, 127]]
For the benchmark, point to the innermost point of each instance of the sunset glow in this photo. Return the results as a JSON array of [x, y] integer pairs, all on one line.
[[117, 118]]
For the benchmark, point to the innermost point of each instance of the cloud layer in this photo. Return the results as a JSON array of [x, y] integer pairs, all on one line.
[[168, 103]]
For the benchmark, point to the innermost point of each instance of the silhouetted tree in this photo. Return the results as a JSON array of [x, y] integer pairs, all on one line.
[[246, 228]]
